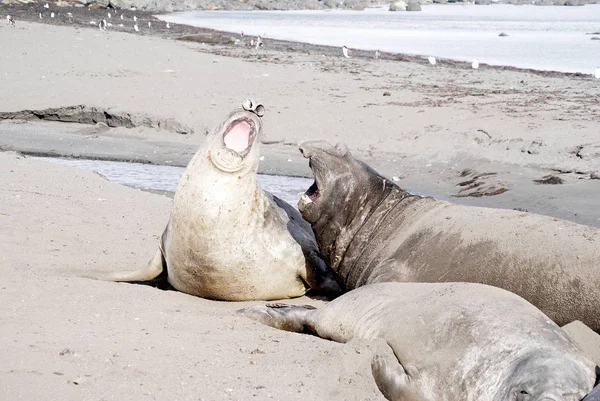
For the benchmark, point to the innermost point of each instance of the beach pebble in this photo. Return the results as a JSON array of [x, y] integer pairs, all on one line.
[[502, 34], [387, 94]]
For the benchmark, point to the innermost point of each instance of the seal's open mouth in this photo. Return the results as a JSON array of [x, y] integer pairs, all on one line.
[[313, 192], [238, 136]]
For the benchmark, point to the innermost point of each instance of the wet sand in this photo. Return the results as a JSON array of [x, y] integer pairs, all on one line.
[[68, 336]]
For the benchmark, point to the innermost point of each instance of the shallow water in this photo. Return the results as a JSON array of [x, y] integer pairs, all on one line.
[[544, 38], [150, 177]]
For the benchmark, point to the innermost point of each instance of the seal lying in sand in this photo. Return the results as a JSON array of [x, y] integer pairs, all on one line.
[[227, 238], [450, 341], [369, 230]]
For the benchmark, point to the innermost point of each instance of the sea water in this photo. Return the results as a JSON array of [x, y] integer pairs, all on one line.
[[539, 37], [151, 177]]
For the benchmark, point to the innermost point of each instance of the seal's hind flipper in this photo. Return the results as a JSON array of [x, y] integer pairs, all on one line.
[[152, 271], [390, 376], [281, 316]]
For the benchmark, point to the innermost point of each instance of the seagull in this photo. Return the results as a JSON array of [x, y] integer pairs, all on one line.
[[149, 24], [46, 5], [108, 14], [475, 64], [10, 20], [136, 28], [51, 15], [376, 54], [597, 73], [168, 26], [345, 51], [134, 18], [259, 42], [431, 60], [102, 25]]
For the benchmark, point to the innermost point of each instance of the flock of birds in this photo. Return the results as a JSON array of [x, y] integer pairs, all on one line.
[[433, 61], [256, 43], [103, 24]]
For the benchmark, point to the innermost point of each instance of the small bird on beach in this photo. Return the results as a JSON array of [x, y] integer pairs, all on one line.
[[168, 25], [102, 25], [92, 22], [70, 16], [432, 60], [475, 64], [376, 54], [121, 16], [51, 15], [108, 14], [134, 18], [136, 28], [242, 34], [597, 73], [40, 15], [259, 42], [345, 51], [46, 5], [149, 24], [10, 19], [121, 25]]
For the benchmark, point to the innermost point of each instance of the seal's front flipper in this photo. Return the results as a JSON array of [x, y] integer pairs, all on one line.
[[281, 316], [390, 376], [153, 270]]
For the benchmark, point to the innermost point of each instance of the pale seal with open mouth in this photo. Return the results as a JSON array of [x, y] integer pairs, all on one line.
[[228, 239]]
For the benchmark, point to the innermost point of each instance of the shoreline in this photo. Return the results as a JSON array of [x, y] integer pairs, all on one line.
[[212, 37]]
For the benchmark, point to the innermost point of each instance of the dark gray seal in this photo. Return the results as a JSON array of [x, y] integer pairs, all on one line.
[[227, 238], [370, 230], [449, 341]]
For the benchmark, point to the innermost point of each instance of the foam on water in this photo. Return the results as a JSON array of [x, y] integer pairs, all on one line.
[[540, 37]]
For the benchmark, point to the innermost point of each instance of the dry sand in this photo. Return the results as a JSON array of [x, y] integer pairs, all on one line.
[[64, 336]]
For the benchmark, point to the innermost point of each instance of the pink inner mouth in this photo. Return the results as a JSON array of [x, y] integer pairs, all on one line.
[[238, 136]]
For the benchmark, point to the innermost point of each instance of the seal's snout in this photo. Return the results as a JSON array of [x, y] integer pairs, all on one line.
[[256, 108]]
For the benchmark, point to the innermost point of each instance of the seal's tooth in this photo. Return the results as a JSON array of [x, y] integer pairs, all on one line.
[[305, 200]]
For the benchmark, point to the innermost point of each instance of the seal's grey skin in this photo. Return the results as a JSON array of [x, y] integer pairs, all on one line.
[[369, 230], [228, 239], [451, 341]]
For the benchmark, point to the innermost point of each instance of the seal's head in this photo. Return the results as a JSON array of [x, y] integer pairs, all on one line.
[[545, 375], [344, 193], [233, 147]]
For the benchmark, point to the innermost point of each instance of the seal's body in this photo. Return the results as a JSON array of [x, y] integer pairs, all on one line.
[[369, 230], [449, 341], [227, 238]]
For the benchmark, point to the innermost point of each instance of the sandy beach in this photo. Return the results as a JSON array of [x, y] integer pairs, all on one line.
[[80, 92]]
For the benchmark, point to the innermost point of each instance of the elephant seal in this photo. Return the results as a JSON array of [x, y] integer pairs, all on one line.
[[228, 239], [450, 341], [369, 230]]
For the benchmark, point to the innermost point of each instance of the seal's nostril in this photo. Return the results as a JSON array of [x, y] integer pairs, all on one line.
[[248, 105], [259, 110]]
